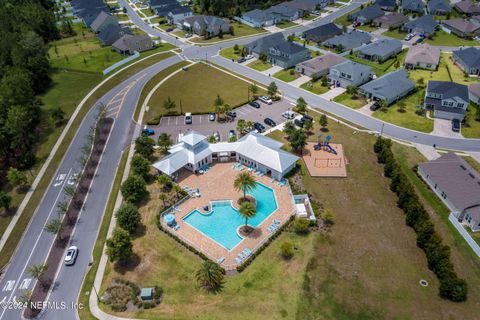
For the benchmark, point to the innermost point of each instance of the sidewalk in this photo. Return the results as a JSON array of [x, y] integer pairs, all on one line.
[[298, 82], [428, 152]]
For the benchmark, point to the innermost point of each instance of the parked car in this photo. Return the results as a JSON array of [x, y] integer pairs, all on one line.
[[212, 116], [169, 29], [232, 114], [409, 36], [259, 127], [254, 104], [299, 122], [456, 125], [232, 133], [375, 106], [307, 117], [357, 24], [188, 35], [270, 122], [71, 256], [148, 132], [216, 135], [265, 99], [419, 40], [242, 59], [249, 56], [188, 118], [289, 114]]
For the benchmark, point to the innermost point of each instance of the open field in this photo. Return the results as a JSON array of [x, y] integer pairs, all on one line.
[[381, 68], [366, 267], [196, 89], [347, 100], [239, 30], [286, 75], [259, 65], [441, 38], [315, 87]]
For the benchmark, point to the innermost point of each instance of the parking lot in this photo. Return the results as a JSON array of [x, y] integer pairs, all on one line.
[[175, 125]]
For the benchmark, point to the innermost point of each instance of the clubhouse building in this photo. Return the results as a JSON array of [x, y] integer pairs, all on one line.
[[253, 150]]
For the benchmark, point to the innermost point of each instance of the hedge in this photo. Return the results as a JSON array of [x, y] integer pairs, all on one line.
[[452, 287]]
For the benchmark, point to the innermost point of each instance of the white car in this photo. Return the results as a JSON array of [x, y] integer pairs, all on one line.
[[249, 56], [289, 114], [71, 256], [265, 99], [409, 36]]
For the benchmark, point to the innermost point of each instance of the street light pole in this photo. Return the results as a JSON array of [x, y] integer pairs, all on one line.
[[381, 132]]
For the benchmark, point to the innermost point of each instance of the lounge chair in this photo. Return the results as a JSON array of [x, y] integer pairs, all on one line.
[[247, 251], [220, 261], [238, 260], [277, 221], [176, 227]]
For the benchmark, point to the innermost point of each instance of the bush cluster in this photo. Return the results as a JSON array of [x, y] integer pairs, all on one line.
[[452, 287], [120, 305]]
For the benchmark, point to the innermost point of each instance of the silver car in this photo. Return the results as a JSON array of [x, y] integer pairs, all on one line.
[[71, 256]]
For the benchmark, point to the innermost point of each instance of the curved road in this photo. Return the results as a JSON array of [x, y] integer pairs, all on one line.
[[35, 244]]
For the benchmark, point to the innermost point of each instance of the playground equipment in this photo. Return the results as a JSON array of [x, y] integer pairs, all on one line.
[[325, 144]]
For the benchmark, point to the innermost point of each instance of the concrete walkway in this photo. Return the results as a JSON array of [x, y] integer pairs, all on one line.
[[298, 82], [442, 127], [428, 152], [475, 155], [332, 93], [272, 70], [366, 109]]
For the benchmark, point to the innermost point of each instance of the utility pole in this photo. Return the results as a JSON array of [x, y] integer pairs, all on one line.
[[381, 132]]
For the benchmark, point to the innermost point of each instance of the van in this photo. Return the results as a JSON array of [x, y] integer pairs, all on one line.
[[188, 118]]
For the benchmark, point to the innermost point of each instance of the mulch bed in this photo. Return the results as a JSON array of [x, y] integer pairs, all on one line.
[[42, 287]]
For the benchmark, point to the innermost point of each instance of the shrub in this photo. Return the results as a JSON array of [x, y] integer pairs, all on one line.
[[286, 250], [301, 225], [128, 217], [454, 289], [327, 216], [134, 189], [153, 121]]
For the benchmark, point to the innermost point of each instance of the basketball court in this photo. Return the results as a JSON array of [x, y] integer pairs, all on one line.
[[324, 162]]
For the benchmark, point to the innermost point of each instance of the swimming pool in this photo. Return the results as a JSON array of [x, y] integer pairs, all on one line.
[[222, 222]]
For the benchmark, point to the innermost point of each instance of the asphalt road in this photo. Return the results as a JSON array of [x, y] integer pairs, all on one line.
[[35, 244]]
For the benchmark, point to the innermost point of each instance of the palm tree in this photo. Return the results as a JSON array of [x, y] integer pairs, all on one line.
[[244, 182], [241, 126], [247, 210], [37, 271], [163, 197], [210, 276]]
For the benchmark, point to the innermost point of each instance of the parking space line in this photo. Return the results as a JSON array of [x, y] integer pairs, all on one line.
[[176, 120]]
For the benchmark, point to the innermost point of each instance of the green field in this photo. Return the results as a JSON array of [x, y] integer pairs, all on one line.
[[239, 30], [366, 267], [349, 101], [195, 90], [441, 38], [259, 65], [314, 87], [286, 75]]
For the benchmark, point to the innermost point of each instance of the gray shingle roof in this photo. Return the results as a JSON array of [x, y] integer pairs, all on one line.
[[423, 53], [394, 18], [467, 6], [456, 178], [352, 68], [470, 56], [425, 23], [325, 30], [386, 3], [323, 62], [448, 89], [263, 44], [382, 47], [440, 5], [369, 13], [463, 25], [413, 5], [390, 84], [350, 40]]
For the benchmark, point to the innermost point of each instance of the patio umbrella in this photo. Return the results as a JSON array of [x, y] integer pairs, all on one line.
[[169, 219]]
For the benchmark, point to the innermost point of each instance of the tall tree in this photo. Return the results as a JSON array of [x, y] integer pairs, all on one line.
[[244, 182], [128, 217], [247, 210], [119, 246], [210, 276], [164, 141]]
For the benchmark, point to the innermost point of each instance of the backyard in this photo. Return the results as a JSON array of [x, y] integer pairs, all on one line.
[[259, 65], [366, 267], [287, 75], [315, 87], [350, 101], [195, 90]]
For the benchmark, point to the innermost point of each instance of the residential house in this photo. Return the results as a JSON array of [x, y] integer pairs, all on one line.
[[408, 6], [128, 44], [474, 93], [448, 100], [422, 56], [278, 50], [254, 150], [319, 66], [88, 10], [178, 13], [387, 5], [322, 33], [301, 5], [380, 50], [457, 184], [367, 14], [111, 33], [468, 60], [438, 7], [348, 41], [263, 18], [462, 27], [467, 8], [102, 21], [393, 20], [424, 25], [390, 87], [349, 73], [201, 25]]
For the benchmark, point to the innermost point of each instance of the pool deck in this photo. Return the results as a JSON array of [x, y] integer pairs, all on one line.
[[217, 184]]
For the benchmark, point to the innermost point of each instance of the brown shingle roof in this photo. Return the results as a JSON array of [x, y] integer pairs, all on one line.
[[323, 62], [423, 53]]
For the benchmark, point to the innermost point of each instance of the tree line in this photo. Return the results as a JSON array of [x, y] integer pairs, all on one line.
[[231, 8], [26, 27], [452, 287]]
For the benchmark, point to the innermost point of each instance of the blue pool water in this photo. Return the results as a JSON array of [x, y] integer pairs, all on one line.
[[222, 222]]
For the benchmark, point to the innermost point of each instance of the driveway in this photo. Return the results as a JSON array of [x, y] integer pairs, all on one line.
[[442, 127], [298, 82], [272, 70], [174, 125], [332, 93], [366, 108]]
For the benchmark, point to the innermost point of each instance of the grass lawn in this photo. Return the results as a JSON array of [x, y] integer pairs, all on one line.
[[396, 33], [472, 130], [314, 87], [349, 101], [342, 274], [441, 38], [336, 5], [286, 75], [381, 68], [408, 119], [122, 17], [166, 26], [367, 28], [343, 20], [197, 89], [179, 33], [147, 12], [259, 65], [286, 24], [239, 30], [229, 53], [157, 19], [309, 17]]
